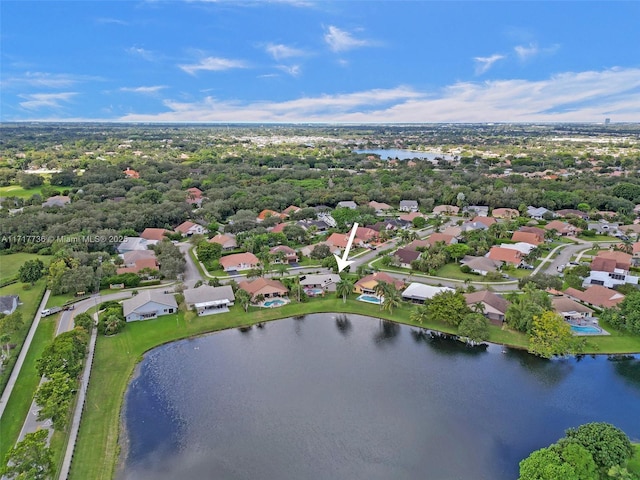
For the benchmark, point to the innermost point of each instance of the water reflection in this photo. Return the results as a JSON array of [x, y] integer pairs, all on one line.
[[343, 324], [628, 368], [327, 405]]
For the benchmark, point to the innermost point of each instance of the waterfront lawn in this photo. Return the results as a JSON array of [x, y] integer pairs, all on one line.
[[115, 359], [616, 342], [634, 464]]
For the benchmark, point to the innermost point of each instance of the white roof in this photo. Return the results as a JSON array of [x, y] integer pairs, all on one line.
[[320, 279], [424, 292], [522, 247]]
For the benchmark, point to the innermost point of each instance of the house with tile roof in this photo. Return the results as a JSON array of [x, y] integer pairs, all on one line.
[[194, 196], [596, 295], [446, 210], [283, 254], [563, 228], [226, 241], [506, 255], [405, 256], [438, 237], [481, 265], [570, 309], [266, 287], [380, 207], [157, 234], [189, 228], [239, 261], [507, 213], [527, 237], [494, 306], [368, 284]]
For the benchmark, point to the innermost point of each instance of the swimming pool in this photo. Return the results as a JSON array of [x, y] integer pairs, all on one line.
[[370, 299], [274, 303], [314, 292], [585, 329]]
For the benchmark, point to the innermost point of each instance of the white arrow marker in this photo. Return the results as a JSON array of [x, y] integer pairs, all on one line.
[[343, 262]]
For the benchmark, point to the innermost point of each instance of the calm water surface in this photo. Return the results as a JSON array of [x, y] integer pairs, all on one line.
[[335, 397], [401, 154]]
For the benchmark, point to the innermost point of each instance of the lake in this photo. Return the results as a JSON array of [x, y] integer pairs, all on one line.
[[351, 397], [401, 154]]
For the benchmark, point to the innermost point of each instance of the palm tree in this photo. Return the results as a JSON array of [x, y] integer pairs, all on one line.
[[343, 288], [478, 307], [392, 298], [244, 299], [381, 291], [282, 268], [419, 314], [259, 298]]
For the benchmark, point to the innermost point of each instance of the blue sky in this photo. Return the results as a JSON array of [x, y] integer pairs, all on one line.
[[320, 61]]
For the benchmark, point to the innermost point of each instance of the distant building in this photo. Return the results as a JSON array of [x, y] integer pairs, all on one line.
[[408, 206]]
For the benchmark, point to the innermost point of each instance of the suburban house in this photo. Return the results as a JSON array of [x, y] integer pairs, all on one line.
[[227, 242], [522, 247], [420, 293], [454, 231], [446, 210], [488, 221], [326, 282], [379, 207], [563, 228], [9, 303], [57, 201], [571, 212], [507, 213], [157, 234], [538, 213], [131, 257], [266, 287], [278, 228], [194, 196], [409, 217], [140, 264], [417, 243], [264, 214], [208, 300], [327, 218], [408, 206], [340, 240], [368, 284], [405, 256], [131, 173], [596, 295], [318, 225], [438, 237], [130, 244], [494, 307], [635, 258], [527, 237], [284, 254], [470, 226], [149, 304], [306, 251], [610, 268], [347, 204], [189, 228], [290, 209], [366, 234], [604, 228], [506, 255], [239, 261], [481, 265], [570, 309], [476, 210], [539, 232]]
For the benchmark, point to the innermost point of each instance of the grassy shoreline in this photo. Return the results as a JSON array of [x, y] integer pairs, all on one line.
[[97, 449]]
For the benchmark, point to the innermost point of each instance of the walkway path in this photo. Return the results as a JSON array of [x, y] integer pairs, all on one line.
[[6, 394]]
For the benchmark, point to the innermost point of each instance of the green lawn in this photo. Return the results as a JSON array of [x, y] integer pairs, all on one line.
[[598, 238], [634, 464], [10, 264], [97, 449], [17, 408], [18, 191]]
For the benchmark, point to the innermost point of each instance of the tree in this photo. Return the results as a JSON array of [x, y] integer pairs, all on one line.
[[448, 307], [11, 323], [550, 335], [54, 399], [64, 354], [608, 445], [626, 316], [578, 457], [457, 250], [30, 459], [31, 271], [392, 298], [28, 181], [546, 464], [343, 288], [5, 338], [83, 320], [243, 298], [208, 251], [475, 327], [525, 306], [419, 314], [320, 252]]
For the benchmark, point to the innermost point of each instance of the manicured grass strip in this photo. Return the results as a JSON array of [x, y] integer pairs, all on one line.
[[97, 448], [26, 385], [634, 464]]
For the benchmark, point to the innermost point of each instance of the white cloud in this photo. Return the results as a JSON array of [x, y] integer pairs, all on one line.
[[280, 51], [526, 52], [293, 70], [215, 64], [144, 90], [45, 80], [35, 101], [568, 97], [113, 21], [483, 64], [341, 40], [141, 52]]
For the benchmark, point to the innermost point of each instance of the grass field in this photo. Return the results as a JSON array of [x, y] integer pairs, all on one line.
[[18, 191], [634, 464], [97, 449], [17, 408], [10, 264]]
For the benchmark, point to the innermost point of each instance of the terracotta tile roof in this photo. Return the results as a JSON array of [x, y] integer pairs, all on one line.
[[488, 221], [263, 286], [378, 277], [597, 295], [246, 258], [154, 234], [622, 259], [490, 298], [526, 237], [505, 213], [440, 237], [507, 255]]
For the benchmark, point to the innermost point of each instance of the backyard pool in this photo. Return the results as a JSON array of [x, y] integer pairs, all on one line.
[[314, 292], [370, 299], [586, 329], [274, 303]]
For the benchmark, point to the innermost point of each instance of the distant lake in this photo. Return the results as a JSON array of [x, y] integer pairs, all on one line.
[[352, 397], [392, 153]]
